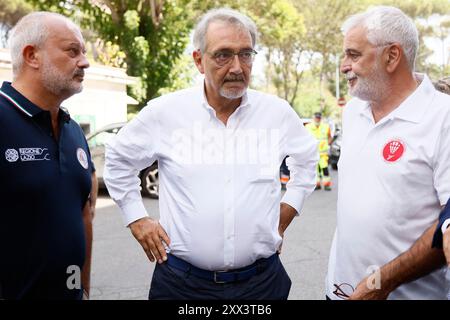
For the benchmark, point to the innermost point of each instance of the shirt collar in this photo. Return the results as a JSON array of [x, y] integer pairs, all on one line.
[[18, 100], [244, 102], [414, 106], [21, 103]]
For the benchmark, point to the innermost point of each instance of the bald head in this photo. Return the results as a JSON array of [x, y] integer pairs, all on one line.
[[33, 30]]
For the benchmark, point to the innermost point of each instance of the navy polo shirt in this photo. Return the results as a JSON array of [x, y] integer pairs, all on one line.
[[44, 185]]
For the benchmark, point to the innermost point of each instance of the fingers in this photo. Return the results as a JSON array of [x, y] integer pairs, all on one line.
[[151, 235], [163, 235], [147, 250], [155, 243], [139, 231], [156, 247]]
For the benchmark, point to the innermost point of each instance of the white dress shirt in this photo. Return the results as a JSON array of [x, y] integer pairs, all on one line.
[[389, 194], [219, 185]]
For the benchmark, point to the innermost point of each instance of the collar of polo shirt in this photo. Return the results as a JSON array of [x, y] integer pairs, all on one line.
[[409, 109], [24, 105]]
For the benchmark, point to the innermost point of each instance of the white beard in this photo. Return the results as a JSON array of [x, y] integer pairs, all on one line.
[[371, 87], [232, 94]]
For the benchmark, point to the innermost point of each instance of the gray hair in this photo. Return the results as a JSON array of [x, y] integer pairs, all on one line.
[[32, 30], [226, 15], [385, 25]]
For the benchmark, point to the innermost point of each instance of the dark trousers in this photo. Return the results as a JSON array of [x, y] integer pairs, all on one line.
[[169, 283]]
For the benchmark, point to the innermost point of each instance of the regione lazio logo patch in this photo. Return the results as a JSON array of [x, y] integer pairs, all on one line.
[[11, 155], [393, 150], [82, 158]]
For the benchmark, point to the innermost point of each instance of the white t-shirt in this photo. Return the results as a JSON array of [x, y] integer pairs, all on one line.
[[394, 176]]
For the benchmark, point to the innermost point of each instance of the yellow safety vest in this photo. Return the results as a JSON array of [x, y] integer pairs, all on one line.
[[321, 133]]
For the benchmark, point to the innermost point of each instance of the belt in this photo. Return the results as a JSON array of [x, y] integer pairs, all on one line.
[[228, 276]]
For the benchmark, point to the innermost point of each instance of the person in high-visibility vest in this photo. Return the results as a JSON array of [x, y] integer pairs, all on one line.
[[322, 133]]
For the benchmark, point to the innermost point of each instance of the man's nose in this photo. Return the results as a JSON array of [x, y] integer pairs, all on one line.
[[83, 62], [345, 66], [236, 66]]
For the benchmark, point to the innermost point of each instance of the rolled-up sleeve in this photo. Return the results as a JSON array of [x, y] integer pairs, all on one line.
[[133, 149], [301, 147]]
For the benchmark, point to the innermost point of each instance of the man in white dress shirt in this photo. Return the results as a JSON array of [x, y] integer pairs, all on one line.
[[219, 148], [394, 169]]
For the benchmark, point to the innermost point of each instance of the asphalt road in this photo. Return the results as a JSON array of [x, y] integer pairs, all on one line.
[[121, 270]]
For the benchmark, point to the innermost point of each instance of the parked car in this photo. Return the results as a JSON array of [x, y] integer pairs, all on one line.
[[335, 149], [97, 140]]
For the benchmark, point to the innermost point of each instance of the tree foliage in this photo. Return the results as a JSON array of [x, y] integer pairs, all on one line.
[[149, 37], [10, 12]]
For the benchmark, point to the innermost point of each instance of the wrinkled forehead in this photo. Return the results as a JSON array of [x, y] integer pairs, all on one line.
[[224, 34]]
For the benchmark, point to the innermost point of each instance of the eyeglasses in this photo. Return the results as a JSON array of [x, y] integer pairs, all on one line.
[[343, 290], [224, 57]]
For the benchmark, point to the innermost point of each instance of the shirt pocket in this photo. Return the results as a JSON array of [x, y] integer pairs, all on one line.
[[258, 174]]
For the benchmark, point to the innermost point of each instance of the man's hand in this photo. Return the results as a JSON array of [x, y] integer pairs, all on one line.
[[417, 261], [287, 213], [151, 235], [446, 245], [364, 291]]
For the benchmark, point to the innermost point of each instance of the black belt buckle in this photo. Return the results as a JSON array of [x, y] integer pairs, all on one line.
[[215, 276]]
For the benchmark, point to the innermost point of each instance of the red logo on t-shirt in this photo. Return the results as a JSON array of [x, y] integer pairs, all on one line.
[[393, 150]]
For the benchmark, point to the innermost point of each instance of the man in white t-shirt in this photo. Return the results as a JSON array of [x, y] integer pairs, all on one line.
[[396, 138]]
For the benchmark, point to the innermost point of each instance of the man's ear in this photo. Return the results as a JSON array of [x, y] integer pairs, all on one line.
[[197, 55], [31, 56], [393, 56]]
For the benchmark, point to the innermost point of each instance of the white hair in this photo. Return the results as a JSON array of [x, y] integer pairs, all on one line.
[[385, 25], [32, 30], [226, 15]]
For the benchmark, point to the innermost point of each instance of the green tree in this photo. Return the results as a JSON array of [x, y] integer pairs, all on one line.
[[443, 32], [108, 54], [282, 32], [10, 12], [323, 20]]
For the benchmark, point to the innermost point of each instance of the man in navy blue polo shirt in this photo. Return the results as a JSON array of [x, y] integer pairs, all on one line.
[[45, 165]]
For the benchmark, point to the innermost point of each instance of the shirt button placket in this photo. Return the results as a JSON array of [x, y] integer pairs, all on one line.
[[229, 219]]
